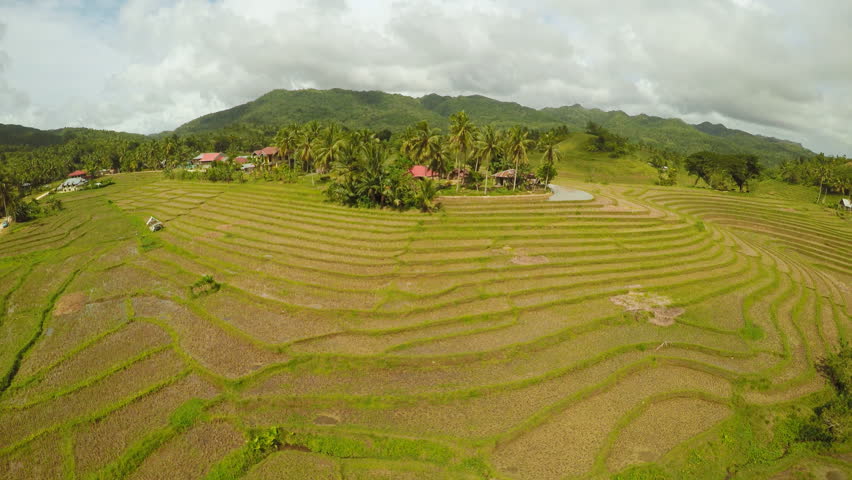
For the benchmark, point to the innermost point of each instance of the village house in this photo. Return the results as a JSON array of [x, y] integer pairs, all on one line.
[[420, 171], [72, 184], [78, 174], [266, 156], [506, 178], [845, 204], [204, 160]]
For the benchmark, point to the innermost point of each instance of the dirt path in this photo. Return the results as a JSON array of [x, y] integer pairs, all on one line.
[[564, 194]]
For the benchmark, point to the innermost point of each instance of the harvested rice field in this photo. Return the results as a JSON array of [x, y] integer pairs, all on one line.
[[647, 333]]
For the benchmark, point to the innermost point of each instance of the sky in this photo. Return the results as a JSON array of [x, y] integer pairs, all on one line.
[[773, 67]]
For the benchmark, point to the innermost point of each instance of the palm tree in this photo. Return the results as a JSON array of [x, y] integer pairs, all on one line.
[[487, 149], [307, 146], [7, 191], [517, 147], [371, 168], [330, 149], [462, 134], [424, 195], [551, 155], [422, 144], [286, 141]]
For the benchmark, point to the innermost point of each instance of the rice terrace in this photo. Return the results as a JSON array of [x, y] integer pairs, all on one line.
[[425, 240], [648, 330]]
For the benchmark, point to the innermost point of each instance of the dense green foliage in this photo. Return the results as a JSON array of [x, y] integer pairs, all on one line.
[[606, 141], [830, 174], [831, 422], [719, 171], [378, 110], [14, 135]]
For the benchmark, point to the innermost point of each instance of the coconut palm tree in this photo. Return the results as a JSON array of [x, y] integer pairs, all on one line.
[[487, 149], [462, 135], [422, 144], [551, 155], [330, 148], [306, 145], [517, 148], [286, 141]]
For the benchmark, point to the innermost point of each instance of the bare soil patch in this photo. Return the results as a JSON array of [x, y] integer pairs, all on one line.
[[530, 260], [653, 305], [326, 420], [70, 303]]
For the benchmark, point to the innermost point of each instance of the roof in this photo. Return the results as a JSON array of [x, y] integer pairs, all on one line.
[[419, 171], [846, 202], [510, 173], [242, 159], [77, 173], [247, 166], [268, 151], [73, 182], [210, 157]]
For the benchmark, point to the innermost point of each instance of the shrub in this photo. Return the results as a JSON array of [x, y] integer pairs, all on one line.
[[187, 414], [204, 286]]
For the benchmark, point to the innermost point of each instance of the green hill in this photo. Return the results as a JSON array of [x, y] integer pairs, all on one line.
[[18, 135], [379, 110]]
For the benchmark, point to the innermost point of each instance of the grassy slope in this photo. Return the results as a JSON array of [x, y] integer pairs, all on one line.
[[426, 351], [595, 167]]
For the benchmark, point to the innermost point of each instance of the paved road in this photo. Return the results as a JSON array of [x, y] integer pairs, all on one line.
[[564, 194]]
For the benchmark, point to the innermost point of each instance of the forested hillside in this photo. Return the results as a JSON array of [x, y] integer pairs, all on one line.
[[379, 110]]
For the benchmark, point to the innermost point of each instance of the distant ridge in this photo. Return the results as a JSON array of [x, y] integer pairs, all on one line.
[[379, 110]]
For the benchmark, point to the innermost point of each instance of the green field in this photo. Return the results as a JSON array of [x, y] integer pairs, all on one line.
[[494, 339]]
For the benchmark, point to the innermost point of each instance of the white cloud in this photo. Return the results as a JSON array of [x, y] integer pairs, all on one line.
[[150, 65]]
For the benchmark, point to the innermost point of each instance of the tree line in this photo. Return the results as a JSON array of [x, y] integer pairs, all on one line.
[[720, 171], [829, 174], [343, 157]]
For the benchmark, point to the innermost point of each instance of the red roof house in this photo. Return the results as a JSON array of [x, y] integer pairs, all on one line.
[[207, 158], [241, 160], [419, 171], [266, 152], [77, 173]]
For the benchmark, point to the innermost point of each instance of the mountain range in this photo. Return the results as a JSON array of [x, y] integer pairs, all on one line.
[[379, 110]]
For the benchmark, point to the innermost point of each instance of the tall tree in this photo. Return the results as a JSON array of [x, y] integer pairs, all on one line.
[[330, 149], [462, 135], [487, 149], [550, 155], [518, 144], [422, 144]]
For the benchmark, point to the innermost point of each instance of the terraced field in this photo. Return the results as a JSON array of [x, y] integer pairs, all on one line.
[[501, 338]]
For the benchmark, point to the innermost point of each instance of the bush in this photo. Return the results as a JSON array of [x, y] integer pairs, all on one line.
[[25, 211], [53, 203], [546, 173], [205, 286], [187, 414]]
